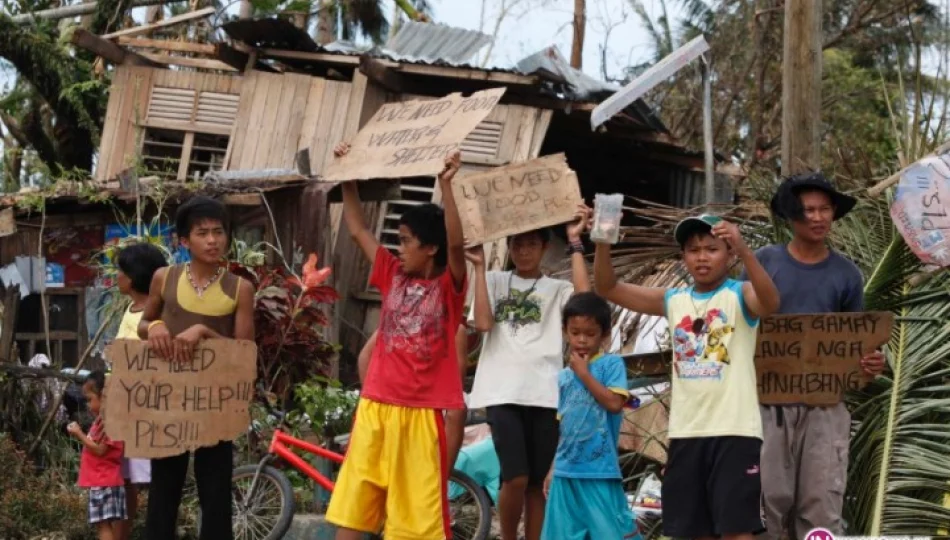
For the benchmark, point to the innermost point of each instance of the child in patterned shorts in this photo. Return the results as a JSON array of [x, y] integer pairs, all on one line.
[[100, 467]]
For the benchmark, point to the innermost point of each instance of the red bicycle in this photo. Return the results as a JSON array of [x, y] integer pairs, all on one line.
[[264, 498]]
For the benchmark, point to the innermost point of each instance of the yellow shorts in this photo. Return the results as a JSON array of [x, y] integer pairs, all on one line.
[[395, 471]]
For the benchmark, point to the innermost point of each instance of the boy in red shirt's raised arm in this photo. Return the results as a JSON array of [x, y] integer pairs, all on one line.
[[396, 468]]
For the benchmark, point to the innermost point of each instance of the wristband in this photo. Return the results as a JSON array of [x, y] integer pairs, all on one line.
[[154, 323], [575, 247]]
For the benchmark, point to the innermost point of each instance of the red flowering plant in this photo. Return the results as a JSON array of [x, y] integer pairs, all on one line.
[[289, 322]]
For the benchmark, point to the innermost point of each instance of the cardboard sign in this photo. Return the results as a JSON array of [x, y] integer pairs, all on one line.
[[920, 209], [412, 138], [161, 408], [815, 359], [517, 198]]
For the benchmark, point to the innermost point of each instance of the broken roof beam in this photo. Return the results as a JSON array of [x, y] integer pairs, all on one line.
[[107, 49], [171, 21], [167, 45], [470, 74], [328, 58], [187, 61], [452, 72], [240, 60], [76, 10], [383, 75]]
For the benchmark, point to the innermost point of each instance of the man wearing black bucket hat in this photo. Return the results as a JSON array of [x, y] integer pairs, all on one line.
[[805, 449]]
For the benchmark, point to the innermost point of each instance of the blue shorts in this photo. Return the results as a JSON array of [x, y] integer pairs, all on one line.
[[588, 509]]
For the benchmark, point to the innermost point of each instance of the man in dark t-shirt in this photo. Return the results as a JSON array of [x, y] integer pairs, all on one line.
[[805, 449]]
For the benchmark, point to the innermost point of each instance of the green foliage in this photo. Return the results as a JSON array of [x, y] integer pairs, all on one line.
[[34, 503], [855, 120], [328, 406]]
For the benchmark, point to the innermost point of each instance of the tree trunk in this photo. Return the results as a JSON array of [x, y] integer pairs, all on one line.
[[580, 22], [801, 87], [326, 23], [246, 11]]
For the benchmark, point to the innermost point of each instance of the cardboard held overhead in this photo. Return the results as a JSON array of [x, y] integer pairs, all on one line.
[[162, 408], [516, 198], [412, 138]]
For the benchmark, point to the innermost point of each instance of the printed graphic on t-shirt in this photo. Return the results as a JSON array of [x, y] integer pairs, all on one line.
[[519, 309], [586, 439], [413, 321], [699, 345]]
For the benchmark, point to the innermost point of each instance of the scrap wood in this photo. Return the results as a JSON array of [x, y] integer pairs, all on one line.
[[168, 45], [171, 21], [106, 49], [187, 61], [644, 429]]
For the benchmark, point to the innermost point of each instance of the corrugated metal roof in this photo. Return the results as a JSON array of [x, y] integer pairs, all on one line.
[[550, 60], [440, 45], [428, 42], [551, 63]]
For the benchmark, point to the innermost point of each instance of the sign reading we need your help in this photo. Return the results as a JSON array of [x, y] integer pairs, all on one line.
[[815, 359], [412, 138], [517, 198], [162, 408]]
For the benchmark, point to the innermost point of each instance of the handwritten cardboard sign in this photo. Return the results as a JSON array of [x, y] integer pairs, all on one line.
[[815, 359], [516, 198], [920, 209], [412, 138], [161, 408]]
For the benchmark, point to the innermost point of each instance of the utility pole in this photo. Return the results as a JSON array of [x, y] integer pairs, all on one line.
[[579, 24], [801, 87]]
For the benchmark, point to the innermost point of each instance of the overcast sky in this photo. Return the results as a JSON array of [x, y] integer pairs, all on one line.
[[532, 25]]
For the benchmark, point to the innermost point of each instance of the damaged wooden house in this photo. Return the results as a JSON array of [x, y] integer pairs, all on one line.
[[258, 114]]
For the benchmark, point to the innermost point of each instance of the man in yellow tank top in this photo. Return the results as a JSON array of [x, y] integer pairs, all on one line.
[[188, 303], [712, 473]]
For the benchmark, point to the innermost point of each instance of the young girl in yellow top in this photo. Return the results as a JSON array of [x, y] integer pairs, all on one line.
[[137, 263]]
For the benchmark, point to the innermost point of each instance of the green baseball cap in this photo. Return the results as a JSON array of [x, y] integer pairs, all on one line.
[[686, 228]]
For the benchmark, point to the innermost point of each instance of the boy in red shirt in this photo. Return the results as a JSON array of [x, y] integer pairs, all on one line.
[[100, 467], [396, 467]]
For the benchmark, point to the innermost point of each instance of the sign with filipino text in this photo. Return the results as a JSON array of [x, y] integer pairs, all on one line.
[[815, 359], [516, 198], [412, 138], [162, 408], [920, 208]]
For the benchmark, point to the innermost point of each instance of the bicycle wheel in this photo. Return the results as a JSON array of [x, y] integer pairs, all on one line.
[[266, 513], [469, 508]]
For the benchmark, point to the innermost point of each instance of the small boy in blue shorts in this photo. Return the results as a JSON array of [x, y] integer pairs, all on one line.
[[584, 490]]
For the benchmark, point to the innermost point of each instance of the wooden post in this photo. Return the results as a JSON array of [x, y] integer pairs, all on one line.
[[579, 24], [801, 87]]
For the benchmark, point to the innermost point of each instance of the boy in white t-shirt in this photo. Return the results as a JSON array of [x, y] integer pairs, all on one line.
[[519, 312]]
